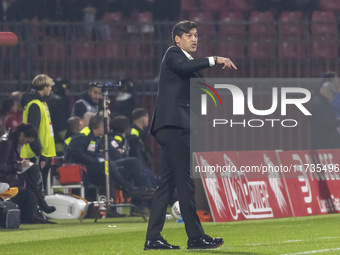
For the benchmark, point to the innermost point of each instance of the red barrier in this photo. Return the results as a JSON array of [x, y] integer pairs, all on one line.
[[268, 184], [8, 39]]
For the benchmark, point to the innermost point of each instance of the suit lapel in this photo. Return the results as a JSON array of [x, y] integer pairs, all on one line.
[[197, 74]]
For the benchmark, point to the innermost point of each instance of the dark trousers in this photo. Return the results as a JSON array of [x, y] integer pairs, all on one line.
[[96, 175], [44, 171], [28, 206], [175, 173], [135, 171], [132, 170]]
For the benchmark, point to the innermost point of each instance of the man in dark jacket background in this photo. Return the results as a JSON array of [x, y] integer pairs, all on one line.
[[89, 101], [323, 124], [138, 134]]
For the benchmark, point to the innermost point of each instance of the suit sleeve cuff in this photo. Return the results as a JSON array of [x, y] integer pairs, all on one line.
[[211, 61]]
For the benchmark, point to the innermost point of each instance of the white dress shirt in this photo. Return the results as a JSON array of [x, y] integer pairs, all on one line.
[[211, 59]]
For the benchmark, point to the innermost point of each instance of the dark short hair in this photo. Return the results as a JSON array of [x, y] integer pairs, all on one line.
[[95, 121], [28, 129], [61, 86], [181, 28], [120, 124], [138, 113]]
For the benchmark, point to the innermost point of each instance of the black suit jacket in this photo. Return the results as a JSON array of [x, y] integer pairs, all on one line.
[[173, 99]]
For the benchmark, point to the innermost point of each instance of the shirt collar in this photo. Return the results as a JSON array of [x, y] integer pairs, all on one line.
[[187, 55]]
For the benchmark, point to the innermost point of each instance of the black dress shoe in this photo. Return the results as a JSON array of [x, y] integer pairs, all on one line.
[[204, 242], [38, 218], [159, 244], [48, 209], [44, 206]]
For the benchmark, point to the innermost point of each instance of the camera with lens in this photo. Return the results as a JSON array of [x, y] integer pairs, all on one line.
[[104, 86]]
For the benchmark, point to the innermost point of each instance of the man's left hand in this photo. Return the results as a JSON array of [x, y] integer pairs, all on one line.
[[226, 62]]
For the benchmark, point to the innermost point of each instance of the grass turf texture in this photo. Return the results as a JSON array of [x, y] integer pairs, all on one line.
[[127, 235]]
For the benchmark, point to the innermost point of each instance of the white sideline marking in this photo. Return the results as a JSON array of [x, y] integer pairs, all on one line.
[[293, 241], [255, 244], [288, 241], [327, 237], [317, 251]]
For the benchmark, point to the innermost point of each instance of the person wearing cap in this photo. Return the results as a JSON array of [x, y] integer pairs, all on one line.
[[89, 101], [36, 112], [322, 121]]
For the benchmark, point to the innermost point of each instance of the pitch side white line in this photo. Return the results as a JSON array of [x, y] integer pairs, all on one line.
[[288, 241], [293, 241], [255, 244], [328, 237], [316, 251]]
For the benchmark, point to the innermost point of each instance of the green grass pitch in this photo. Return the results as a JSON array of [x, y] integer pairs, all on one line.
[[300, 235]]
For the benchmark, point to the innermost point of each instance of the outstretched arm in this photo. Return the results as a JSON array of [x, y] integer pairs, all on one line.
[[226, 62]]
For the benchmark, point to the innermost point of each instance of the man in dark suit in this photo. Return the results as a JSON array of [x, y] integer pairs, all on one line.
[[171, 127]]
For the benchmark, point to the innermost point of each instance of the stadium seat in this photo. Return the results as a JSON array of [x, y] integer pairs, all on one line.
[[205, 48], [261, 50], [144, 20], [332, 5], [233, 47], [292, 24], [111, 50], [204, 21], [83, 56], [323, 24], [83, 51], [216, 5], [262, 24], [115, 22], [232, 23], [134, 50], [140, 51], [141, 22], [54, 50], [201, 16], [145, 17], [324, 48], [241, 5], [292, 49], [113, 16], [188, 5]]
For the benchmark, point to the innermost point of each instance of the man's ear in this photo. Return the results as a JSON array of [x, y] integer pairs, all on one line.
[[177, 39]]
